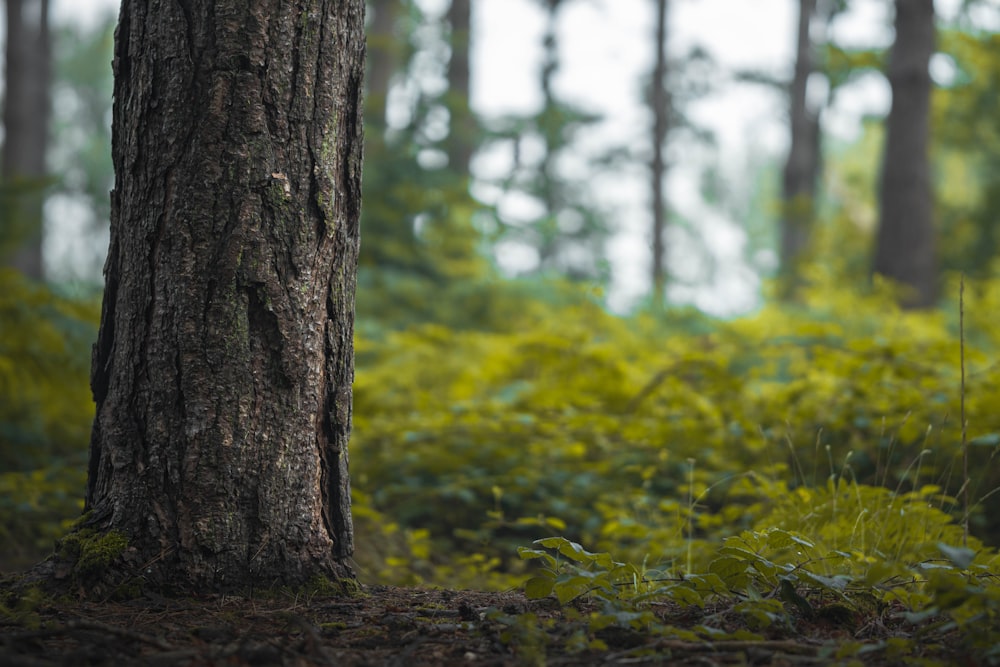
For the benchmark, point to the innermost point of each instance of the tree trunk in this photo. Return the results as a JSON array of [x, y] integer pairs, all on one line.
[[802, 166], [27, 106], [463, 125], [223, 367], [550, 125], [659, 101], [905, 248]]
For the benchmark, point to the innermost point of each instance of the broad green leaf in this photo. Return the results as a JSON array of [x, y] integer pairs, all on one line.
[[572, 587], [527, 554], [538, 587]]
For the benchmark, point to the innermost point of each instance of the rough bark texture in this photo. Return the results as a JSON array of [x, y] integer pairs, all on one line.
[[222, 372], [802, 166], [659, 101], [905, 247], [461, 140], [27, 107]]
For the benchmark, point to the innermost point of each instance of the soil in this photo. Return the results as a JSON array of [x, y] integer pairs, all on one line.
[[385, 626]]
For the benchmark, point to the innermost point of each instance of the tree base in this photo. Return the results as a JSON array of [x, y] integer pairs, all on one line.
[[89, 564]]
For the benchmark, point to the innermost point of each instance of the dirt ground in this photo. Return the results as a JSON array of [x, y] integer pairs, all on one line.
[[384, 626]]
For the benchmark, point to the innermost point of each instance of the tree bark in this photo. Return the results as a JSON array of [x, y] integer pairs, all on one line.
[[659, 101], [802, 165], [461, 140], [905, 247], [223, 367], [27, 108]]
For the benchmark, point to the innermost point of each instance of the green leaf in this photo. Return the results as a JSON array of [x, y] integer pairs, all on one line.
[[789, 594], [833, 584], [527, 554], [962, 557], [708, 583], [685, 595], [782, 539], [537, 588], [575, 552], [570, 588], [732, 570]]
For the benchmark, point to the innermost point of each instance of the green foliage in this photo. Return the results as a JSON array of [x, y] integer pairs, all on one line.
[[20, 204], [37, 507], [45, 405], [835, 420], [416, 222], [967, 135], [45, 412]]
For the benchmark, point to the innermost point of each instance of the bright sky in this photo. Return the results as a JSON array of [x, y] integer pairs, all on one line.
[[606, 50]]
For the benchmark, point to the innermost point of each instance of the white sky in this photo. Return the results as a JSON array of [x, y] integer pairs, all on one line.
[[606, 49]]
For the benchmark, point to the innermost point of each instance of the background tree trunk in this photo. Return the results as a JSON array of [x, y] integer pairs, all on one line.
[[905, 247], [383, 63], [659, 101], [223, 367], [802, 166], [26, 112], [461, 140]]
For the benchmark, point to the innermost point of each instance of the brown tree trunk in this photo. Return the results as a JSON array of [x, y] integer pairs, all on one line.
[[222, 372], [660, 106], [27, 106], [461, 139], [802, 166], [905, 247]]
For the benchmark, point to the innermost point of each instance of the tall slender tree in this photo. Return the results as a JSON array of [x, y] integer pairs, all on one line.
[[659, 102], [222, 371], [569, 232], [550, 130], [384, 62], [905, 248], [461, 139], [801, 168], [26, 112]]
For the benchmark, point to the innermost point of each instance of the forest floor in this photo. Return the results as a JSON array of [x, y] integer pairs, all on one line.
[[386, 626]]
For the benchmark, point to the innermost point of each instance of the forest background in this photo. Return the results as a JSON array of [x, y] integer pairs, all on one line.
[[501, 399]]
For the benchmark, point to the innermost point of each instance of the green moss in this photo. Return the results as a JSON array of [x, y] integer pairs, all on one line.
[[91, 550], [333, 626], [21, 609], [324, 586]]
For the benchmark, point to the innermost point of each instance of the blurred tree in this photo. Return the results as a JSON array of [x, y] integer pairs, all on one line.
[[559, 223], [223, 366], [463, 132], [801, 170], [26, 113], [967, 149], [384, 55], [417, 217], [659, 102], [674, 83], [80, 156], [905, 248]]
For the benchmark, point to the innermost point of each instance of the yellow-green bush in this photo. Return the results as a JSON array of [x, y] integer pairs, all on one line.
[[636, 438], [45, 412]]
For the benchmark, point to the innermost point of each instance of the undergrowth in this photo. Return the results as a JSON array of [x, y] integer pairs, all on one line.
[[803, 462]]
